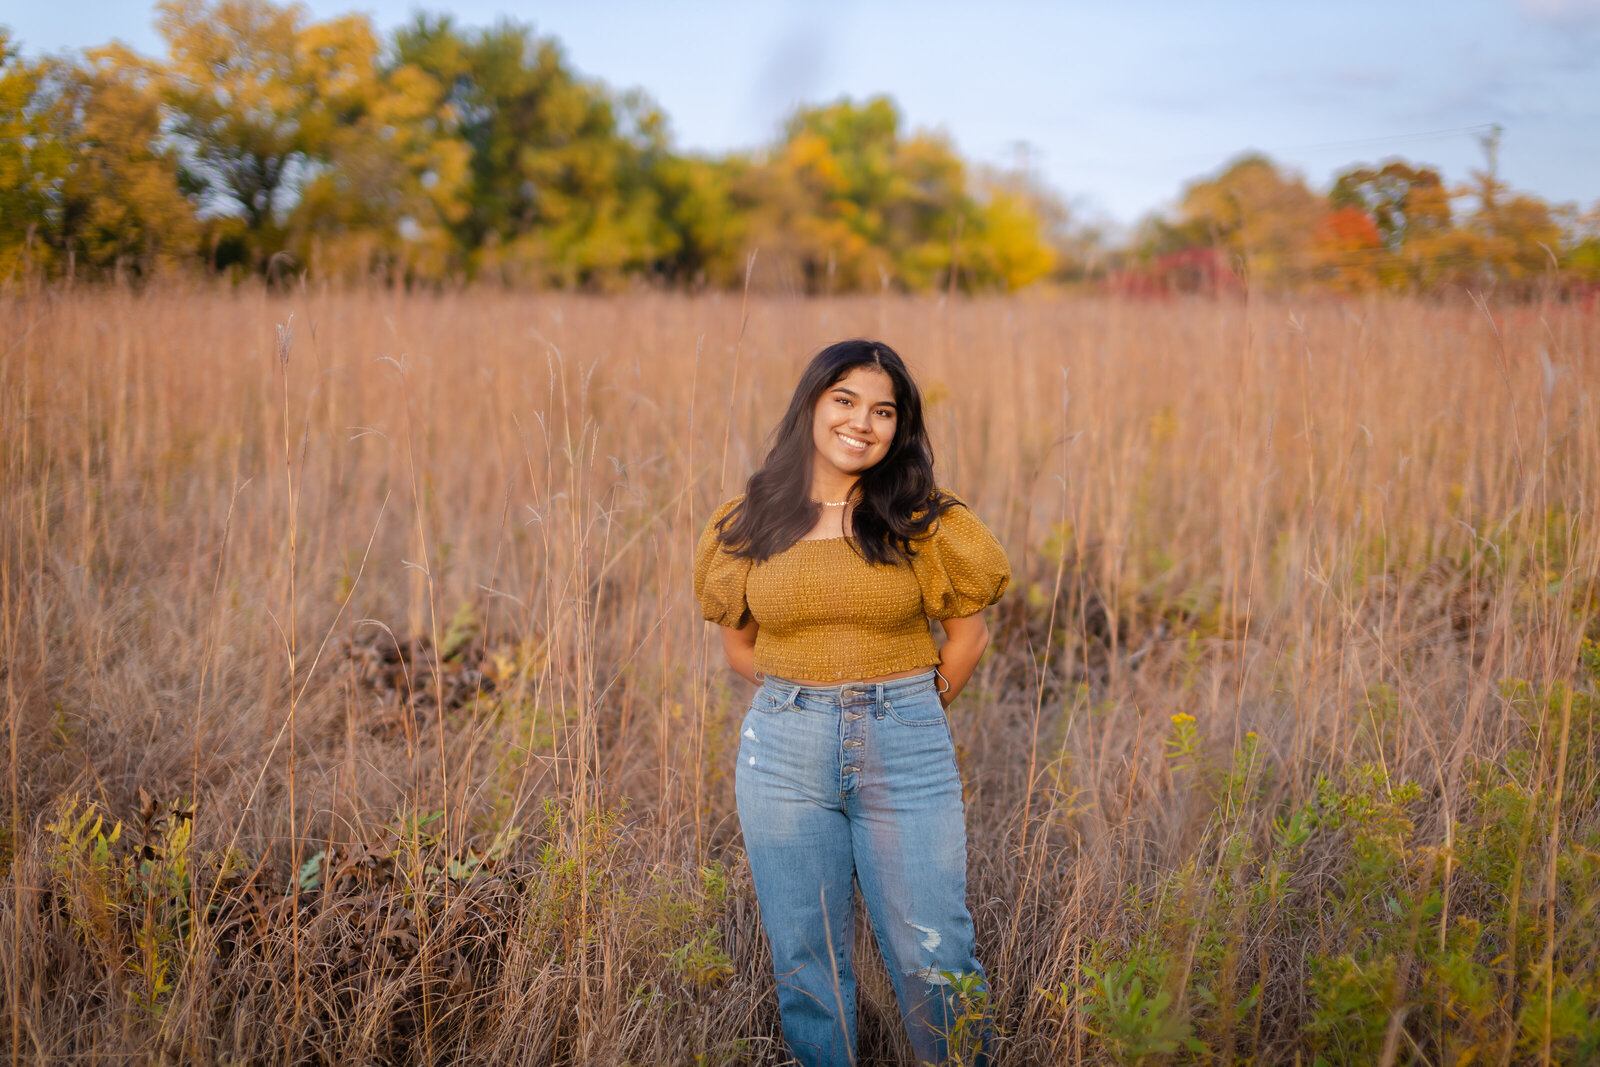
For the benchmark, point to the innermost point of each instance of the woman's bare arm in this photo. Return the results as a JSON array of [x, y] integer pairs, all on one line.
[[965, 640], [740, 648]]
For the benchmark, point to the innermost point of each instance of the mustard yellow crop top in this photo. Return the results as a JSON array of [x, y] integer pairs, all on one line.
[[825, 614]]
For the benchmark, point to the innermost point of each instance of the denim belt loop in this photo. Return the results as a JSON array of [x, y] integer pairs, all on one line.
[[877, 692]]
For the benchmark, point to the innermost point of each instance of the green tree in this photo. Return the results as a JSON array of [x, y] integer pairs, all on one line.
[[706, 226], [1410, 210], [1581, 255], [393, 181], [563, 172], [1404, 202]]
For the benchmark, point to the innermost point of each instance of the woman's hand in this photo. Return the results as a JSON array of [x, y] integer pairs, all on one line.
[[740, 648], [965, 640]]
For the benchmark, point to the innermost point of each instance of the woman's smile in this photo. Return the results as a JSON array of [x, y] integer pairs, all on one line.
[[854, 423], [853, 443]]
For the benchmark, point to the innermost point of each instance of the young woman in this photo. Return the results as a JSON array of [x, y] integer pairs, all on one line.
[[823, 576]]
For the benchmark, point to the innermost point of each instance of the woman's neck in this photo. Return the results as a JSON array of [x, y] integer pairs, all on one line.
[[831, 489]]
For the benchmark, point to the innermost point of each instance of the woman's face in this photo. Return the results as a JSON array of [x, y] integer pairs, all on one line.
[[854, 421]]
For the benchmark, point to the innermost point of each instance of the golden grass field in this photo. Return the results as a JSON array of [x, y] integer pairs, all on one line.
[[358, 708]]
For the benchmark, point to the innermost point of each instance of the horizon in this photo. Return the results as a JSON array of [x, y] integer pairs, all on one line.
[[1117, 141]]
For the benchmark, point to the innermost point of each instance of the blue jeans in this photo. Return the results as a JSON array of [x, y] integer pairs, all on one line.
[[857, 783]]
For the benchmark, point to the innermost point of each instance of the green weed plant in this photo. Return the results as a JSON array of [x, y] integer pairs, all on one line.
[[1427, 932]]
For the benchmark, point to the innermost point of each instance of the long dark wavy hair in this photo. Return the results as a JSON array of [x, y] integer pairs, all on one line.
[[896, 501]]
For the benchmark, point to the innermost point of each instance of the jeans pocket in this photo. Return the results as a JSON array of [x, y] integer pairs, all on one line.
[[921, 708], [769, 701]]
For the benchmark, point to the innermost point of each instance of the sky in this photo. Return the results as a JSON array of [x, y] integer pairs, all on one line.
[[1115, 106]]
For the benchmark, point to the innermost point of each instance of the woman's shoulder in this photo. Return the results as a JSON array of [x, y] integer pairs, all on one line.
[[944, 501], [727, 506], [961, 566], [711, 542], [957, 525], [719, 575]]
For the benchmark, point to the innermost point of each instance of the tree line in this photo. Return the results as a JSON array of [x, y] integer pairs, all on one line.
[[1393, 226], [267, 142]]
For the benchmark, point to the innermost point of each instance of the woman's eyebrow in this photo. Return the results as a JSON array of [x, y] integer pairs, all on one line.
[[845, 389]]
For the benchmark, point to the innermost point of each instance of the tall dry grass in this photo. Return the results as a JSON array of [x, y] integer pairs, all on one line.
[[395, 589]]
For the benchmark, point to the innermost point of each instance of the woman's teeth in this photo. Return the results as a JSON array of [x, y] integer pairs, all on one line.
[[851, 442]]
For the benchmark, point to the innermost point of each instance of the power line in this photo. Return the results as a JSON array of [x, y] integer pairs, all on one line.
[[1399, 137]]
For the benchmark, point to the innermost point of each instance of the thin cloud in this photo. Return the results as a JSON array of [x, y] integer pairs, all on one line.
[[1377, 78], [1564, 14]]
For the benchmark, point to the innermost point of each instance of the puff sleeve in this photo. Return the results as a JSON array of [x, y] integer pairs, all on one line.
[[960, 566], [719, 576]]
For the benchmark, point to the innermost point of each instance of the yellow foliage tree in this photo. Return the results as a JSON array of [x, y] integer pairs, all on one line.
[[846, 202], [121, 206], [442, 152], [84, 185], [33, 160], [1014, 243], [396, 178], [242, 94], [1261, 217]]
